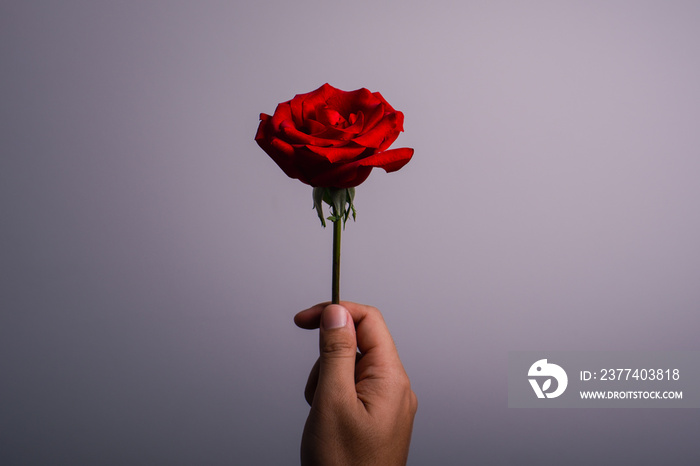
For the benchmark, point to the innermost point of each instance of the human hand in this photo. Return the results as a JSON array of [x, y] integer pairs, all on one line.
[[362, 405]]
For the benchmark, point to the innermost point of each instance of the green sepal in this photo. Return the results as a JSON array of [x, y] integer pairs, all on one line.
[[340, 200], [318, 194], [351, 198]]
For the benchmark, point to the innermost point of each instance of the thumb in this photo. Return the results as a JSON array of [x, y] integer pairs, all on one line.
[[338, 347]]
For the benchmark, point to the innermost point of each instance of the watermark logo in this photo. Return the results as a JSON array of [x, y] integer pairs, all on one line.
[[604, 379], [544, 371]]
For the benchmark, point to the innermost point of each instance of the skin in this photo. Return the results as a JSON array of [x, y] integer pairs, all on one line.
[[362, 405]]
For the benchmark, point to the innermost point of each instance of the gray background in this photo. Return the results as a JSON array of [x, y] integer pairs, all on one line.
[[152, 256]]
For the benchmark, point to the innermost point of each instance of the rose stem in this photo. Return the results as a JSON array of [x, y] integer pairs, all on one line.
[[336, 261]]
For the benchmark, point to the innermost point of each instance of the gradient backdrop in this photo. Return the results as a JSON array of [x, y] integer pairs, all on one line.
[[152, 256]]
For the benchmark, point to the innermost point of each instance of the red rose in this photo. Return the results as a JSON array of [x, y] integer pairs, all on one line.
[[332, 138]]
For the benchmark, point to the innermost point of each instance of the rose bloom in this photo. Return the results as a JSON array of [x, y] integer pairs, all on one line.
[[332, 138]]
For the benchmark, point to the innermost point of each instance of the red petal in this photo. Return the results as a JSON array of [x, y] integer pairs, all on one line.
[[282, 148], [329, 116], [337, 154], [295, 106], [264, 127], [283, 112], [394, 134], [352, 102], [389, 160], [303, 106], [342, 134], [342, 176], [314, 99], [383, 100], [374, 117], [283, 154], [385, 130], [294, 136], [358, 124], [314, 127]]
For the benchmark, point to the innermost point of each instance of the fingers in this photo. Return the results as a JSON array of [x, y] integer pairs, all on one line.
[[373, 337], [312, 381], [311, 318], [336, 368], [362, 405]]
